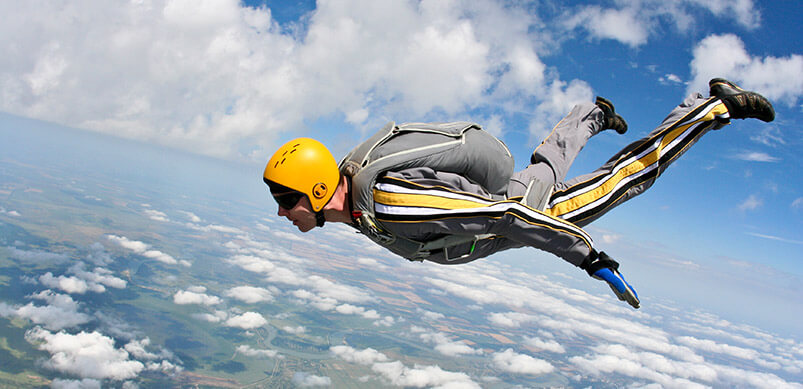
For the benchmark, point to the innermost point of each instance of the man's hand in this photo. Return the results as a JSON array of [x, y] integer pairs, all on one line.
[[618, 285], [602, 267]]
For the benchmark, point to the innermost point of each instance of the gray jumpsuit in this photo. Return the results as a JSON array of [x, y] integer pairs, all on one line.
[[421, 204]]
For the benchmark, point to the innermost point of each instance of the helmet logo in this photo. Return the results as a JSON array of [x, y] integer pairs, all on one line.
[[319, 190]]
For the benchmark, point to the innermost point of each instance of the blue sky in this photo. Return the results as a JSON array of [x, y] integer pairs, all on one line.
[[234, 81]]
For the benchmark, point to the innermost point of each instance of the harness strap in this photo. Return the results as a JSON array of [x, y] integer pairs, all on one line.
[[356, 159], [411, 249]]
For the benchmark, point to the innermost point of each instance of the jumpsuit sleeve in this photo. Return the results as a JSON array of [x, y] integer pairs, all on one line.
[[422, 205]]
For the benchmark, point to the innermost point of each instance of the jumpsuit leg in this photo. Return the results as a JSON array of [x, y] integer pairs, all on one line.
[[634, 169], [553, 157]]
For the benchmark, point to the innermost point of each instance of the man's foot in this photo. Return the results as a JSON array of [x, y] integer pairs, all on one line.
[[612, 120], [741, 104]]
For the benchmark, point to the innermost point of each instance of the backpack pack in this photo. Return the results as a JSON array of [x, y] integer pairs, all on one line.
[[458, 147]]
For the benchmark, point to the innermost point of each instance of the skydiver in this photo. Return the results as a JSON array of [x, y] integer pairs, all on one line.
[[427, 213]]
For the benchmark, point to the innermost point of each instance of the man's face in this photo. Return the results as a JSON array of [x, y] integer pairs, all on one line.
[[301, 215]]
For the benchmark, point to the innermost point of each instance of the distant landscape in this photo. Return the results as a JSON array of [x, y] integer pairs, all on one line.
[[140, 275]]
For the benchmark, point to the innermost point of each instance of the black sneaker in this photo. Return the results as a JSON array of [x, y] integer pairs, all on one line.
[[741, 104], [612, 120]]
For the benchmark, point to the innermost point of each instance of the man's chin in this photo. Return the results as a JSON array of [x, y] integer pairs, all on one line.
[[303, 228]]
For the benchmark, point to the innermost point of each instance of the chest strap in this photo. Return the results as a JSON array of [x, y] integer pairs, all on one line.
[[410, 249]]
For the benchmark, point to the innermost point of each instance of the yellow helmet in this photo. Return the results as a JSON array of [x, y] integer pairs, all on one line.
[[306, 166]]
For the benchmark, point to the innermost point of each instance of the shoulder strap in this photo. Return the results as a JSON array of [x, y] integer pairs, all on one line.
[[357, 158]]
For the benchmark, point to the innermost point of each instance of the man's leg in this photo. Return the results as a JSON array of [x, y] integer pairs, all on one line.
[[552, 158], [634, 169]]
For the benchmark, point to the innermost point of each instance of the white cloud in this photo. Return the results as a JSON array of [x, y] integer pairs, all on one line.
[[510, 319], [224, 229], [246, 321], [673, 373], [348, 309], [83, 281], [216, 317], [161, 257], [67, 284], [288, 276], [743, 11], [444, 345], [259, 353], [338, 291], [252, 263], [513, 362], [635, 21], [775, 238], [386, 321], [429, 315], [239, 78], [138, 348], [363, 357], [288, 236], [548, 345], [756, 156], [307, 380], [133, 245], [193, 217], [183, 297], [778, 79], [526, 75], [560, 314], [721, 348], [797, 203], [680, 263], [325, 302], [294, 330], [197, 289], [156, 215], [606, 363], [144, 250], [163, 366], [399, 374], [86, 383], [626, 343], [460, 83], [61, 311], [86, 354], [370, 263], [250, 294], [751, 203], [98, 255], [769, 136], [97, 277], [559, 100], [4, 211], [624, 25], [759, 380], [315, 300], [168, 47], [422, 376], [36, 256], [670, 79]]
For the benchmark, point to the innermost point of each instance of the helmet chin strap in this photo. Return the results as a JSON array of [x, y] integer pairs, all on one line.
[[319, 218]]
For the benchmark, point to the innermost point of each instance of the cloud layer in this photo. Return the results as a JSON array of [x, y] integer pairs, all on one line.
[[225, 79]]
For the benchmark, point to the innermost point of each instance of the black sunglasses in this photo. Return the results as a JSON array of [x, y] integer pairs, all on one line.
[[288, 200]]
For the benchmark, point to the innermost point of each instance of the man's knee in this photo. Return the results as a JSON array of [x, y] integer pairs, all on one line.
[[533, 185]]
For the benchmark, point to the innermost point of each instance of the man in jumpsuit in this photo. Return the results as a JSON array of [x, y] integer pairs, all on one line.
[[421, 204]]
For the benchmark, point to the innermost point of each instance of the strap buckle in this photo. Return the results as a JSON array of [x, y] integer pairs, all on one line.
[[376, 233]]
